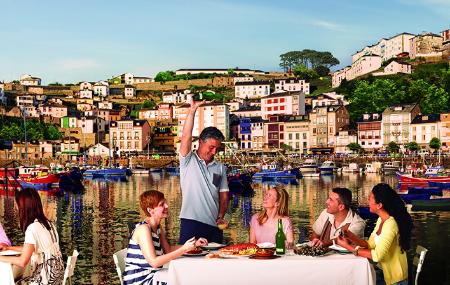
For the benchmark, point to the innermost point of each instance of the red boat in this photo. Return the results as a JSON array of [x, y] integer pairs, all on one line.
[[413, 180]]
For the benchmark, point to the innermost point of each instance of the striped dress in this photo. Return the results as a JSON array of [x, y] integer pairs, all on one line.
[[137, 269]]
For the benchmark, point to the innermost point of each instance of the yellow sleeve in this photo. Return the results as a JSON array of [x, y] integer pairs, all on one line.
[[389, 234]]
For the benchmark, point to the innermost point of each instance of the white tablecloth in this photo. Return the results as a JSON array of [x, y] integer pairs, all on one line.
[[6, 274], [331, 269]]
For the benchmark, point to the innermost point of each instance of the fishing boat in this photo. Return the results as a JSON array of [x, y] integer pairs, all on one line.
[[404, 178], [435, 191], [441, 185], [374, 167], [442, 204], [351, 168], [391, 167], [309, 166], [271, 172], [106, 172], [328, 167], [407, 198], [140, 171]]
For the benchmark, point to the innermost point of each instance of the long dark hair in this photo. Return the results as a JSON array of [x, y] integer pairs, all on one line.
[[30, 208], [396, 208]]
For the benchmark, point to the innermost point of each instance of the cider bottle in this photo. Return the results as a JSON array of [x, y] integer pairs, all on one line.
[[280, 239]]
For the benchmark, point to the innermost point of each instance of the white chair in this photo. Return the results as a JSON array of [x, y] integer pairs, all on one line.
[[419, 257], [119, 261], [70, 266]]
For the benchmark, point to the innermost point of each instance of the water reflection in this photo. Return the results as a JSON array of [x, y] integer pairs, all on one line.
[[97, 222]]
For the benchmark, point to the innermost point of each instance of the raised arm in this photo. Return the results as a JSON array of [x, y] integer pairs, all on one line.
[[186, 136]]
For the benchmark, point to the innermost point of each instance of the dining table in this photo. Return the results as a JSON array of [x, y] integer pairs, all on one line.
[[6, 273], [329, 269]]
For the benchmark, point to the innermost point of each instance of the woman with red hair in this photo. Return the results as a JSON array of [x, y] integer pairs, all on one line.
[[40, 253]]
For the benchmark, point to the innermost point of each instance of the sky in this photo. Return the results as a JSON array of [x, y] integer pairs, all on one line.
[[73, 41]]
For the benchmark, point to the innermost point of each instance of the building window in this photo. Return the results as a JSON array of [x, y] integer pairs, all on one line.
[[282, 108]]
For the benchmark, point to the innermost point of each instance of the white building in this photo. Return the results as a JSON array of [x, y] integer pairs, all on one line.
[[129, 91], [3, 98], [328, 99], [291, 84], [242, 79], [142, 79], [86, 90], [25, 101], [151, 114], [393, 68], [53, 110], [343, 139], [424, 128], [283, 103], [255, 89], [101, 89], [177, 97], [28, 80], [99, 150], [396, 123], [105, 104]]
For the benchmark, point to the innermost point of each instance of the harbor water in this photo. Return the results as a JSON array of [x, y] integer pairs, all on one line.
[[97, 222]]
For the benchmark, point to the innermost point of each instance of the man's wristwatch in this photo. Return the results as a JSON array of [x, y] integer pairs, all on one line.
[[355, 251]]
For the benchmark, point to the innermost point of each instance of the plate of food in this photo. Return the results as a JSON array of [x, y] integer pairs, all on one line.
[[196, 252], [213, 246], [339, 248], [313, 251], [266, 245], [238, 250]]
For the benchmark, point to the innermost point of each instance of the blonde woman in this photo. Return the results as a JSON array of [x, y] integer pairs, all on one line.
[[264, 225]]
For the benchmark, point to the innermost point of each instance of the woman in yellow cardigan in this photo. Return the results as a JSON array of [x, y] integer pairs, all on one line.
[[390, 238]]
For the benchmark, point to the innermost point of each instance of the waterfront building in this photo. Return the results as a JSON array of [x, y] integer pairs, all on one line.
[[257, 132], [28, 80], [245, 133], [129, 135], [296, 133], [252, 89], [218, 71], [274, 131], [247, 111], [28, 150], [164, 136], [427, 45], [444, 129], [291, 84], [396, 122], [424, 128], [129, 91], [99, 150], [393, 68], [70, 146], [283, 103], [101, 89], [345, 137], [369, 132], [326, 121]]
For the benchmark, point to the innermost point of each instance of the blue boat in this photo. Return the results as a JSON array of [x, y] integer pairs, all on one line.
[[441, 185], [173, 170], [106, 172], [271, 173], [38, 186], [436, 191], [407, 198]]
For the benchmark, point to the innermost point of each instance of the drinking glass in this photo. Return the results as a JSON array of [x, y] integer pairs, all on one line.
[[289, 248]]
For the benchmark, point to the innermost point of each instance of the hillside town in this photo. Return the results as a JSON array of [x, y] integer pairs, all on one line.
[[266, 110]]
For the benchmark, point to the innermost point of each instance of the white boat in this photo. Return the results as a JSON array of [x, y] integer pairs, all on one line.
[[351, 168], [311, 174], [328, 167], [374, 167], [309, 166], [140, 171], [391, 167]]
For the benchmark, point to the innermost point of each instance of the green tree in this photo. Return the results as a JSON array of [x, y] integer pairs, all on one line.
[[435, 144], [322, 70], [412, 146], [354, 147], [149, 104], [286, 147], [165, 76], [393, 147], [304, 73]]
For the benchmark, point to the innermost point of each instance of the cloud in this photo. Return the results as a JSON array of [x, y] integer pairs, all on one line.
[[77, 64], [328, 25]]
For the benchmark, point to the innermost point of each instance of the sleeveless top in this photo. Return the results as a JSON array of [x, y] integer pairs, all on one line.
[[137, 270]]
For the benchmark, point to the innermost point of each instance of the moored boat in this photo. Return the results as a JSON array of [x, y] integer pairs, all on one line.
[[350, 168], [328, 167], [431, 205], [309, 166], [391, 167], [435, 191], [403, 178]]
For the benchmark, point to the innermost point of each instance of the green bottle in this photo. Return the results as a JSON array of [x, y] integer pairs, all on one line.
[[280, 239]]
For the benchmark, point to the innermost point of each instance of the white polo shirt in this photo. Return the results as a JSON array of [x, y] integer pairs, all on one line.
[[357, 224], [200, 187]]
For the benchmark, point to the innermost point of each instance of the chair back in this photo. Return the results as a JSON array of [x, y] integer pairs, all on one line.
[[70, 267], [119, 261], [419, 257]]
